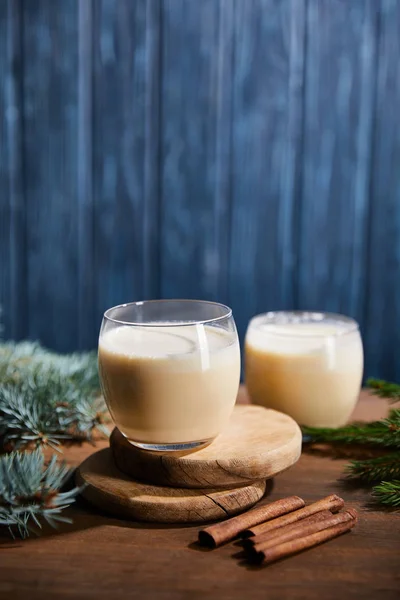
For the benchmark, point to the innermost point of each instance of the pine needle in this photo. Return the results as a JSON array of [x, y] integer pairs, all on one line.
[[378, 433], [388, 493], [384, 433], [376, 469], [384, 389]]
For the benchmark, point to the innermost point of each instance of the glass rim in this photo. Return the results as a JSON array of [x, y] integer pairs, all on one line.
[[320, 316], [226, 315]]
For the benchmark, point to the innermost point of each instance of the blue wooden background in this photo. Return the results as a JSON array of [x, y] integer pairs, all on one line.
[[246, 151]]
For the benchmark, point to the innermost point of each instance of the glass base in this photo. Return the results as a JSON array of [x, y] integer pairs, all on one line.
[[171, 447]]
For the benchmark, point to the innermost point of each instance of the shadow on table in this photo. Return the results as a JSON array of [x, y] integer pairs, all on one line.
[[342, 451], [345, 483], [85, 516], [369, 504]]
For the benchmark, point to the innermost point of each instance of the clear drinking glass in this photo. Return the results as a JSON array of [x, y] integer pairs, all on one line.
[[169, 371], [308, 365]]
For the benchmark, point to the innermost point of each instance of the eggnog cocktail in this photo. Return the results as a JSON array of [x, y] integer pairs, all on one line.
[[308, 365], [171, 381]]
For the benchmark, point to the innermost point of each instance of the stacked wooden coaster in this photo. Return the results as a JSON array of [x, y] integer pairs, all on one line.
[[216, 481]]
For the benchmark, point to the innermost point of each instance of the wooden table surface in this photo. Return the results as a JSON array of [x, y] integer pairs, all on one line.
[[102, 557]]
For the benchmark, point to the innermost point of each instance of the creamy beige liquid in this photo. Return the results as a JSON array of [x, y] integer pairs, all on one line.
[[169, 384], [310, 371]]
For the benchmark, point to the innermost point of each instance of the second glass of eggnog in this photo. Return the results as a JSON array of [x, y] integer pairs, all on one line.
[[308, 365], [169, 371]]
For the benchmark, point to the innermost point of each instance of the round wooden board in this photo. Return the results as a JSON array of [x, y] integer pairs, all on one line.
[[257, 444], [109, 489]]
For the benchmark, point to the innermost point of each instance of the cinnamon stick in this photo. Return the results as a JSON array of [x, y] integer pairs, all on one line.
[[286, 529], [282, 550], [332, 503], [218, 534], [302, 529]]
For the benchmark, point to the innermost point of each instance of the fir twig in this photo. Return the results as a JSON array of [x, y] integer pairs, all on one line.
[[376, 469], [381, 433], [385, 389], [388, 493], [30, 492], [384, 433]]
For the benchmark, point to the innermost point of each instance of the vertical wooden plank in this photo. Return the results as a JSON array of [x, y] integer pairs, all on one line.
[[195, 144], [124, 160], [152, 182], [267, 111], [12, 216], [18, 309], [5, 320], [290, 202], [382, 296], [223, 149], [50, 128], [86, 273], [339, 104]]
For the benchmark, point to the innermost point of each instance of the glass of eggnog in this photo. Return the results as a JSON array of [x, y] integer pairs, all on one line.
[[308, 365], [169, 371]]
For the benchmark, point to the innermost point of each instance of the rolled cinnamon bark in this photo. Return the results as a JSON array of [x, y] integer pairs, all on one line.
[[282, 550], [302, 529], [277, 533], [223, 532], [332, 503]]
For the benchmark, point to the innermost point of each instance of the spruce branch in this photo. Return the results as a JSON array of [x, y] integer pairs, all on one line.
[[24, 419], [45, 397], [388, 493], [28, 360], [30, 491], [384, 389], [385, 468]]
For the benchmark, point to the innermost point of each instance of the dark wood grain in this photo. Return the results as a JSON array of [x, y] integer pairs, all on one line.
[[85, 138], [336, 161], [119, 147], [266, 137], [382, 309], [5, 213], [50, 170], [101, 557], [194, 153], [238, 150], [152, 176], [13, 208]]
